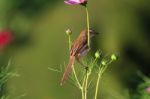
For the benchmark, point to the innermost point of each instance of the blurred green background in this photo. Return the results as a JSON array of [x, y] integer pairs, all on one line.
[[40, 42]]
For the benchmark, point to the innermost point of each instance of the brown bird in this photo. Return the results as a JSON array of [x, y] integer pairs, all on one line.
[[79, 48]]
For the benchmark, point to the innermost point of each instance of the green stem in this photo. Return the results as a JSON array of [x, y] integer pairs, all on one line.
[[88, 73], [76, 78], [82, 92], [69, 42], [105, 67], [100, 73], [78, 83], [86, 82], [97, 85], [88, 25], [83, 84]]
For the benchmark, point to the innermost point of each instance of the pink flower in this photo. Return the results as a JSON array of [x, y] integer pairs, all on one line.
[[148, 89], [5, 38], [76, 2]]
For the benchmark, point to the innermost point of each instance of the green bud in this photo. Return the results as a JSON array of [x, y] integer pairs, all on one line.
[[97, 54], [68, 32], [103, 62], [113, 57]]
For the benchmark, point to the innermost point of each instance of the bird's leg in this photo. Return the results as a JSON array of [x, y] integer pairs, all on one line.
[[78, 60]]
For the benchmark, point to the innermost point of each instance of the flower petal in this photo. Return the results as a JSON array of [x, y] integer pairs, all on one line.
[[6, 38], [83, 1], [69, 2]]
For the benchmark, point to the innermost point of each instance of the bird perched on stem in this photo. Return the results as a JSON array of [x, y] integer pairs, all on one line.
[[78, 49]]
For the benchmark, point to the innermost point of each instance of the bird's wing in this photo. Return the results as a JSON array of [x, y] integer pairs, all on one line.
[[77, 46]]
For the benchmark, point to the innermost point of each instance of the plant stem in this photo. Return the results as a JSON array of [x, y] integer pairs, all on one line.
[[82, 92], [88, 25], [76, 78], [100, 73], [85, 87], [102, 70], [78, 83], [88, 73], [83, 84], [69, 42], [86, 82], [97, 85]]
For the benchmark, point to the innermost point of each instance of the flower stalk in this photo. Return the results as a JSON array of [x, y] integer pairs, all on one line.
[[78, 83], [69, 32], [86, 83], [97, 85], [88, 25], [102, 68]]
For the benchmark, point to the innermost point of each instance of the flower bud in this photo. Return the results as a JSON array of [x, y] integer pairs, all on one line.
[[103, 62], [68, 32], [113, 57], [97, 54]]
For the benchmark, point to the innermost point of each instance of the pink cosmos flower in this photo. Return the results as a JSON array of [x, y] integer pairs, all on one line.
[[5, 38], [148, 89], [76, 2]]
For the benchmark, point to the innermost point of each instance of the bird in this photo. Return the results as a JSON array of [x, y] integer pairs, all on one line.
[[79, 48]]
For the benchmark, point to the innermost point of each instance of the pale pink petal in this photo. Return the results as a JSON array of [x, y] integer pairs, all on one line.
[[69, 2], [148, 89], [75, 2], [83, 1]]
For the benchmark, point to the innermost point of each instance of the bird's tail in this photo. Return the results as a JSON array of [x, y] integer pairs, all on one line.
[[68, 69]]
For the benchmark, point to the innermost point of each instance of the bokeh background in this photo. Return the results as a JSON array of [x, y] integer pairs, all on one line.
[[38, 28]]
